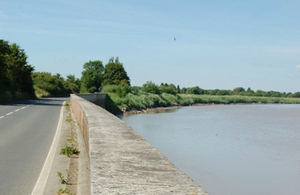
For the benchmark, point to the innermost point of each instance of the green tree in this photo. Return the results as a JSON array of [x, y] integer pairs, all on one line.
[[92, 77], [249, 92], [4, 50], [72, 84], [115, 73], [178, 89], [150, 87], [195, 90], [238, 90], [46, 84], [15, 73], [223, 92], [165, 88], [296, 95], [260, 93]]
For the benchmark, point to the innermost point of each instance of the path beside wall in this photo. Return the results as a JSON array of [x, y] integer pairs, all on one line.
[[121, 161]]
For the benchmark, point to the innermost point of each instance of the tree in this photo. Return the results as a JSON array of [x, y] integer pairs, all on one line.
[[178, 89], [72, 84], [238, 90], [296, 94], [260, 93], [183, 90], [165, 88], [249, 92], [92, 77], [195, 90], [150, 87], [223, 92], [15, 73], [49, 85], [4, 50], [115, 73]]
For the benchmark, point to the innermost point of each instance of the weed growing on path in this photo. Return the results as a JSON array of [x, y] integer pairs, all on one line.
[[62, 178], [69, 150]]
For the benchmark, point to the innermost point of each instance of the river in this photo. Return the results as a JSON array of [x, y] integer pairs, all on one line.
[[229, 149]]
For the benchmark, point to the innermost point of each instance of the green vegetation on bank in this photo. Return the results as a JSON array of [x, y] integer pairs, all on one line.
[[124, 98], [144, 100]]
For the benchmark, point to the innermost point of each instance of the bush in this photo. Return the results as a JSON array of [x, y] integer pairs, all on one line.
[[171, 99], [123, 89], [165, 88], [109, 89], [150, 87]]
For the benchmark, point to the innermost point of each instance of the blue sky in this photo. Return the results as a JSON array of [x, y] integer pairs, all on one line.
[[219, 44]]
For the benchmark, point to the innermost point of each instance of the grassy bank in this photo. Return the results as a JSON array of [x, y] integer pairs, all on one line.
[[142, 101]]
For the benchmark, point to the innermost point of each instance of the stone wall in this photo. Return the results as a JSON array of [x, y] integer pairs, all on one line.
[[121, 161], [76, 104]]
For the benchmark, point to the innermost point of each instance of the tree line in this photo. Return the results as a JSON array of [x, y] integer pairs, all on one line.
[[19, 81], [151, 87], [94, 77]]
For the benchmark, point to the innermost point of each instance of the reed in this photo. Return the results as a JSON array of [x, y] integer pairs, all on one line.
[[143, 100]]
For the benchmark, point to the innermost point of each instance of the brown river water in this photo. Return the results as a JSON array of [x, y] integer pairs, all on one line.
[[230, 149]]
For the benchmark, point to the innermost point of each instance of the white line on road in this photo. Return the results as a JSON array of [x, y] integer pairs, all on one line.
[[42, 180], [9, 113], [15, 111]]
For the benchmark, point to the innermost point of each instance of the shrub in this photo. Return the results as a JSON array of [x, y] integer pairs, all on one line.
[[123, 89], [109, 89], [150, 87]]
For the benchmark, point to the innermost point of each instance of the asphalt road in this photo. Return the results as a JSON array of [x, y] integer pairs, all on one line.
[[27, 129]]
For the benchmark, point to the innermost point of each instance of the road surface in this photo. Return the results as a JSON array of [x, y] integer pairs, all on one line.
[[27, 129]]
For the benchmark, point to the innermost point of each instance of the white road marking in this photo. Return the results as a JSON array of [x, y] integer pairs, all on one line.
[[15, 111], [9, 113], [42, 180]]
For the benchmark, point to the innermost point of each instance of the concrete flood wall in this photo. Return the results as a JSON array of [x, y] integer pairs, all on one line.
[[121, 161], [96, 98]]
